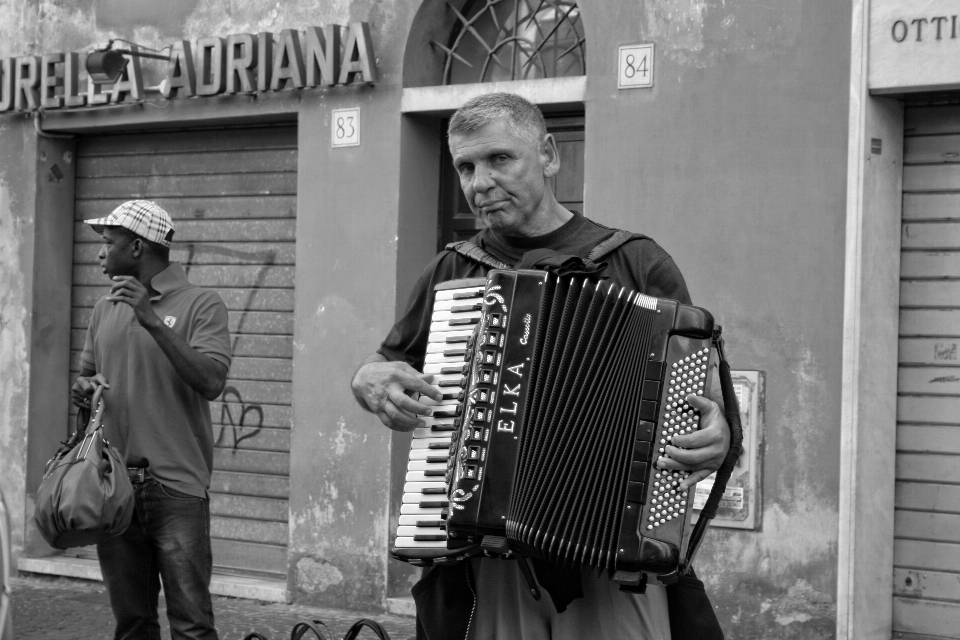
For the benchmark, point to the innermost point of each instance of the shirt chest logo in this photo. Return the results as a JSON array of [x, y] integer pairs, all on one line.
[[170, 321]]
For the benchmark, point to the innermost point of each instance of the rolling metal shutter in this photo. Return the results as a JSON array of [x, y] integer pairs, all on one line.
[[926, 590], [232, 196]]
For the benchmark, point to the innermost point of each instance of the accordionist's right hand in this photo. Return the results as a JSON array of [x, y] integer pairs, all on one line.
[[388, 389]]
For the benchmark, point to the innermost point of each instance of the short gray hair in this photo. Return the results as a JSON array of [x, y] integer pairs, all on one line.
[[524, 118]]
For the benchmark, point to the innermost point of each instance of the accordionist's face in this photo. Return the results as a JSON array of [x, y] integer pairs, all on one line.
[[503, 177]]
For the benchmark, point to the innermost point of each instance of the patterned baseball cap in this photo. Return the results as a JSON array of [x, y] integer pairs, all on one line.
[[143, 217]]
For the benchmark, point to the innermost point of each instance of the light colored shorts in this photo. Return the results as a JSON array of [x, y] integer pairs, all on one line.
[[506, 610]]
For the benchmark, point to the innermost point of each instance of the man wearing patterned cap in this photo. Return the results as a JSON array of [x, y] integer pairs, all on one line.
[[160, 347]]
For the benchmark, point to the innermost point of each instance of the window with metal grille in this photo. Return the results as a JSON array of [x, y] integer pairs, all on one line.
[[500, 40]]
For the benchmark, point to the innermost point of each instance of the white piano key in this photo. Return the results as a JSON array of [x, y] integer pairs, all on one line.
[[424, 443], [417, 498], [418, 475], [404, 531], [451, 294], [442, 326], [423, 465], [441, 348], [428, 432], [455, 378], [454, 368], [411, 521], [456, 306], [432, 358], [446, 407], [442, 315], [446, 402], [423, 454], [414, 509], [416, 487], [442, 338], [406, 542]]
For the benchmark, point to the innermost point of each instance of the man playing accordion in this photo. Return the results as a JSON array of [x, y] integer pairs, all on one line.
[[505, 158]]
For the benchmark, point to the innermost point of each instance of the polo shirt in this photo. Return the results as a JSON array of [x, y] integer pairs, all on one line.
[[152, 416]]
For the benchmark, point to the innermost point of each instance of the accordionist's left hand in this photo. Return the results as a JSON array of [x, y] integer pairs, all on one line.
[[703, 451]]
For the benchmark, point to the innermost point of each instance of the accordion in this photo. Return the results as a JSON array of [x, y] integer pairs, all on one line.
[[559, 395]]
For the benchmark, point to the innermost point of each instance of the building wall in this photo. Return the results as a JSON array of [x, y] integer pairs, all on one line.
[[16, 260], [734, 162]]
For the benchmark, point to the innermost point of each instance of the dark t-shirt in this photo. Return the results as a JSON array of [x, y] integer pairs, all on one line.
[[640, 264]]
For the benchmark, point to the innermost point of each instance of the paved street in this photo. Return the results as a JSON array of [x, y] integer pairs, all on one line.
[[67, 609]]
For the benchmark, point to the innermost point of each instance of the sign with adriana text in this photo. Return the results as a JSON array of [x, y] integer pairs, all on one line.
[[914, 46], [239, 63]]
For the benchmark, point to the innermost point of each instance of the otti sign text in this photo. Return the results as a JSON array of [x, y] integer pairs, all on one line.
[[933, 28], [240, 63]]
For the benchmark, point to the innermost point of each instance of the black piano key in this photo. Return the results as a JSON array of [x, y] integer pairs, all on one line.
[[434, 504], [452, 339], [435, 491], [462, 382], [435, 472], [443, 427], [454, 353], [467, 307], [462, 369], [436, 458], [438, 445], [432, 523], [429, 538], [465, 295], [451, 412], [456, 322]]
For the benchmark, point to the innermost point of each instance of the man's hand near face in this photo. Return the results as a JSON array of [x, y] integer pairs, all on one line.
[[130, 291], [387, 389]]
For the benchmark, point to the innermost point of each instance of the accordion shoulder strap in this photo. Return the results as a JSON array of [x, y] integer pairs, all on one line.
[[732, 414], [469, 250], [612, 243]]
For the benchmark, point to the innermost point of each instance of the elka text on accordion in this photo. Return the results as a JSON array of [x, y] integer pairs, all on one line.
[[559, 395]]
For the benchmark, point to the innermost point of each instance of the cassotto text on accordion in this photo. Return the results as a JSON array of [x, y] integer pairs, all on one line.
[[559, 396]]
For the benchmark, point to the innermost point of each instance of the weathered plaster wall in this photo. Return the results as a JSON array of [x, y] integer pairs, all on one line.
[[735, 162], [346, 274], [16, 261]]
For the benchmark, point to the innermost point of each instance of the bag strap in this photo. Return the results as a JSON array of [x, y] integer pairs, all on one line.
[[97, 420], [319, 629], [731, 411], [612, 243], [469, 250], [354, 631]]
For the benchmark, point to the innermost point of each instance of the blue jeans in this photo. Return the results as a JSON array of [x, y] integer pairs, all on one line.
[[168, 540]]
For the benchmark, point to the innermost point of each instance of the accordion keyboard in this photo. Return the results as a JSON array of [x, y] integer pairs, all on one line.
[[424, 509]]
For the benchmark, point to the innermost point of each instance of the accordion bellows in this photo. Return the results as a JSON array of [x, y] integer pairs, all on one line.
[[568, 393]]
